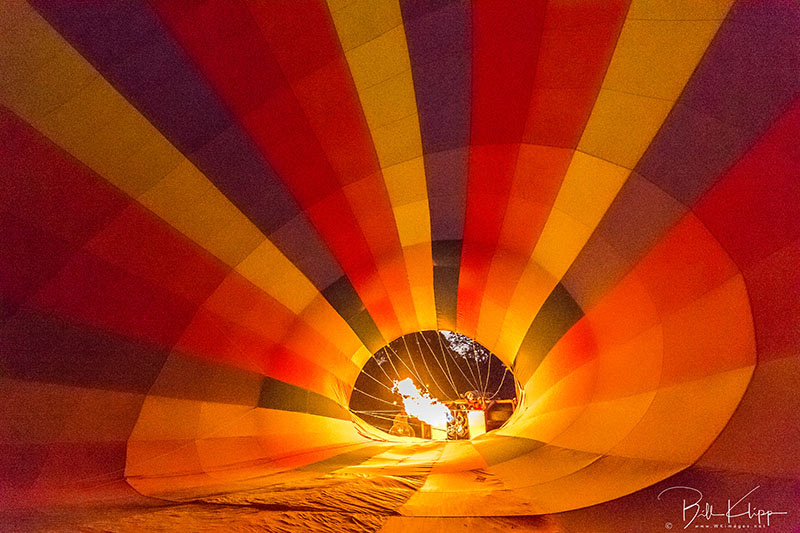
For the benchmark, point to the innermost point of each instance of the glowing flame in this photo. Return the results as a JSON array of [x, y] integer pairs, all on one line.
[[421, 405]]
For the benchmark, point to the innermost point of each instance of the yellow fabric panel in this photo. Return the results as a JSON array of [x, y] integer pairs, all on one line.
[[420, 273], [148, 464], [167, 418], [270, 270], [490, 321], [622, 126], [398, 459], [563, 237], [657, 51], [467, 481], [554, 408], [548, 391], [323, 318], [405, 182], [543, 426], [319, 315], [107, 140], [221, 420], [60, 94], [381, 70], [656, 57], [229, 459], [247, 434], [291, 428], [389, 101], [679, 9], [514, 246], [373, 38], [216, 420], [39, 72], [202, 447], [147, 164], [419, 451], [65, 98], [684, 419], [191, 204], [398, 141], [413, 223], [490, 501], [587, 191], [393, 275], [458, 456], [601, 425], [535, 284], [619, 475], [23, 52], [361, 356], [380, 58], [506, 265], [363, 20], [307, 458], [544, 464]]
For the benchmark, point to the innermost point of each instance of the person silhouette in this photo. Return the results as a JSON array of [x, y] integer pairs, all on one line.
[[401, 427]]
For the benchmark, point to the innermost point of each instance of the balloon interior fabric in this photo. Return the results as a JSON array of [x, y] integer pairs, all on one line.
[[213, 213]]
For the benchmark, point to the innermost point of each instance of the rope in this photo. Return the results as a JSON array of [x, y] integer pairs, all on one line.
[[488, 374], [458, 365], [411, 358], [469, 367], [477, 366], [382, 369], [371, 396], [419, 380], [424, 360], [501, 384], [375, 380], [390, 361], [445, 372]]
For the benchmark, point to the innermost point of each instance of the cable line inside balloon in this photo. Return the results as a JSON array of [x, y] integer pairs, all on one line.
[[439, 385]]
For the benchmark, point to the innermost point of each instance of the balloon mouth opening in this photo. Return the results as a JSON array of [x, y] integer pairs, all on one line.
[[434, 385]]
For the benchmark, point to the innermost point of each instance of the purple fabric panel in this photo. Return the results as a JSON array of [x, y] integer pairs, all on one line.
[[439, 39], [636, 220], [447, 192], [127, 43], [231, 162], [129, 47], [747, 77], [300, 243], [439, 42]]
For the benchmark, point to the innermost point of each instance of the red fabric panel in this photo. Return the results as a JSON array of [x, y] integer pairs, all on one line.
[[506, 38], [109, 262], [755, 209], [577, 45], [270, 75]]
